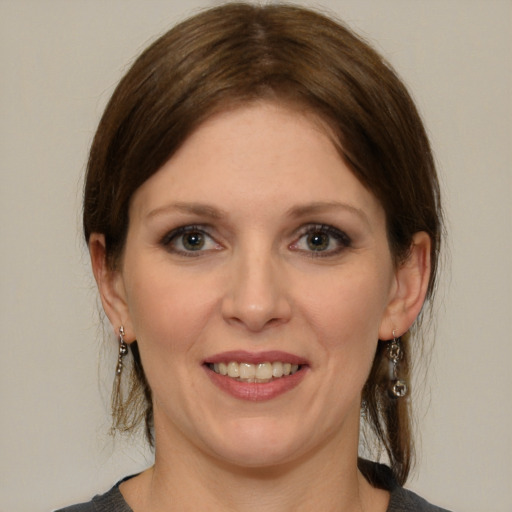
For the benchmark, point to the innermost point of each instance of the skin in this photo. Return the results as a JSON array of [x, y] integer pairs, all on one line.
[[259, 184]]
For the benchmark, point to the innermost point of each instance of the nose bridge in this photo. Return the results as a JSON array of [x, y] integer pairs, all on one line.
[[256, 293]]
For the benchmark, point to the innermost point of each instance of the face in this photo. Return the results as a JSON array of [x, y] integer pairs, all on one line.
[[257, 279]]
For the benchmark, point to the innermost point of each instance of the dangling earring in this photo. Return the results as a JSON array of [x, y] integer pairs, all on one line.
[[398, 387], [123, 350], [364, 409]]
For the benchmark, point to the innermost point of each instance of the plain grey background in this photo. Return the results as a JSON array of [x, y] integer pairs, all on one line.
[[60, 60]]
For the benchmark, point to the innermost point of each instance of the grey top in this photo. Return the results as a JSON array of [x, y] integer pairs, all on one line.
[[401, 499]]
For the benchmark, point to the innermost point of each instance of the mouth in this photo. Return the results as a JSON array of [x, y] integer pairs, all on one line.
[[255, 372], [256, 376]]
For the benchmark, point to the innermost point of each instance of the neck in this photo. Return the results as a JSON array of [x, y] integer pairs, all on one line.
[[185, 479]]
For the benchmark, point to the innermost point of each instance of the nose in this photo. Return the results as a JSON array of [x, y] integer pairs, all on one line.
[[257, 295]]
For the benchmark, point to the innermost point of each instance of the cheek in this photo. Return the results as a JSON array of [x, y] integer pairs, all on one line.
[[350, 302], [346, 314], [168, 317], [168, 310]]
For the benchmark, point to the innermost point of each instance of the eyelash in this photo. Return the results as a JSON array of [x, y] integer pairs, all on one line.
[[341, 239], [176, 235]]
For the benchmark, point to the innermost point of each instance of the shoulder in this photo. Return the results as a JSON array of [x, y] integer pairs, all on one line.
[[111, 501], [403, 500]]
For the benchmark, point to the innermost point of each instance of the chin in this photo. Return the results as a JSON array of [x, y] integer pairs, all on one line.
[[258, 443], [267, 442]]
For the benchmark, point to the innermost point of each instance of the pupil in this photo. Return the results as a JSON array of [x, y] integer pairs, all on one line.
[[318, 241], [193, 241]]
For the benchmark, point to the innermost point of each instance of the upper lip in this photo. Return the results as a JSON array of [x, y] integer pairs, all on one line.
[[242, 356]]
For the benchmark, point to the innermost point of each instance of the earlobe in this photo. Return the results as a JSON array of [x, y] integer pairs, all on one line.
[[110, 286], [412, 278]]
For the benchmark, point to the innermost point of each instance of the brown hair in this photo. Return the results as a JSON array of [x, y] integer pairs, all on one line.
[[237, 53]]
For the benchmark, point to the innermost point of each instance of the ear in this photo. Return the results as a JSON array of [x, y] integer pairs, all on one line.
[[110, 286], [410, 289]]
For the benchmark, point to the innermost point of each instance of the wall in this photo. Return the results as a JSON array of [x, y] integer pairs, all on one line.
[[60, 61]]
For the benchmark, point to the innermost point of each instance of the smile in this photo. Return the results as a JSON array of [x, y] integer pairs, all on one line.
[[256, 376], [259, 372]]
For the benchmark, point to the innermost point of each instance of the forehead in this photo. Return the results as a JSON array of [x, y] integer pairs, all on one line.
[[262, 154]]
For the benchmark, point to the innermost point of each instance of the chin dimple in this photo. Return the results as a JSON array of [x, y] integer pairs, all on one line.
[[260, 373]]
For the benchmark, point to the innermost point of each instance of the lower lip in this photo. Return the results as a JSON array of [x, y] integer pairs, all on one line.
[[256, 391]]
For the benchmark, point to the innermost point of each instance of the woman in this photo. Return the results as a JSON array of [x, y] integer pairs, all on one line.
[[263, 217]]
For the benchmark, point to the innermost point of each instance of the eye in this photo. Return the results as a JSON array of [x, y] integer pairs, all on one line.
[[187, 240], [193, 241], [321, 240], [318, 241]]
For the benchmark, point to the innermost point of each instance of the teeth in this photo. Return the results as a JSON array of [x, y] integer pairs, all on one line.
[[277, 369], [233, 370], [264, 371], [261, 372], [247, 371]]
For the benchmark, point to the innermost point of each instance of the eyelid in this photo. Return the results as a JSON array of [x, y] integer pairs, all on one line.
[[325, 228], [173, 233], [343, 240], [167, 240]]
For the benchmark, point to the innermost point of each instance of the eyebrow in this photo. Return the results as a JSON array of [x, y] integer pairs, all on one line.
[[212, 212], [324, 207], [202, 210]]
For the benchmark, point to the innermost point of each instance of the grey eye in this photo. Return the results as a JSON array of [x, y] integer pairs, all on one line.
[[193, 241], [321, 240], [318, 241]]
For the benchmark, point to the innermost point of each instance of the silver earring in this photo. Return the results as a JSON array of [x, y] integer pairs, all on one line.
[[398, 387], [364, 409], [123, 350]]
